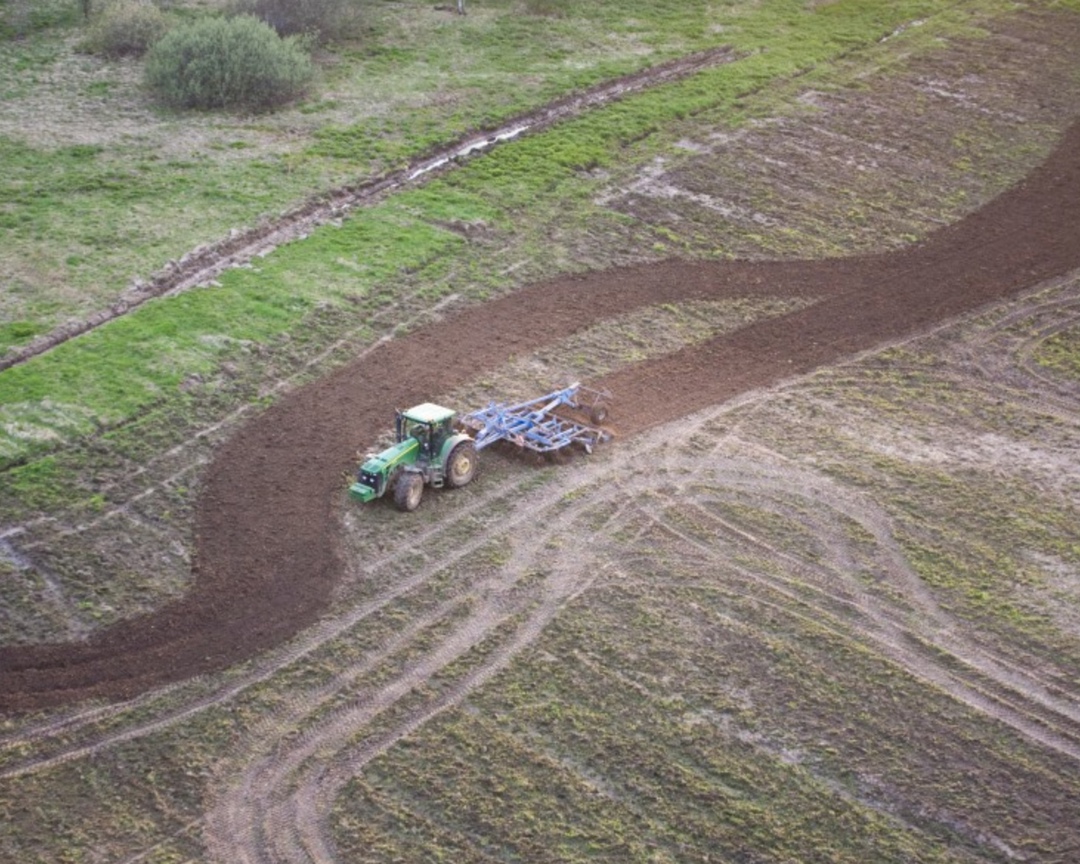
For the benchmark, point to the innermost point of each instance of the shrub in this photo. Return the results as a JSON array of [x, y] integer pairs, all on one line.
[[316, 19], [235, 63], [126, 29]]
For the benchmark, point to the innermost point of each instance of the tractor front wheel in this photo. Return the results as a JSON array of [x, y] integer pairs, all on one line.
[[461, 466], [408, 490]]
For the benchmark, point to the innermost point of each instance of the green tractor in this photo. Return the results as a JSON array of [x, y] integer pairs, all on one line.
[[428, 451]]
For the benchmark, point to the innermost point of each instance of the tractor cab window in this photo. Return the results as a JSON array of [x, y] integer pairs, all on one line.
[[440, 432], [419, 431]]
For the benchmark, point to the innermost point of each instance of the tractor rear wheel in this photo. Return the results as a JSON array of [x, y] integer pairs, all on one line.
[[461, 466], [408, 490]]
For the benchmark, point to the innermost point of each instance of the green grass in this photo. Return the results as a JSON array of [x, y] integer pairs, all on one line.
[[20, 19], [142, 359], [18, 332], [80, 222]]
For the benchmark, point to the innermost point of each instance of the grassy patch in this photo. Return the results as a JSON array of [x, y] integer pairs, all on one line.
[[158, 185], [22, 18], [1061, 353], [18, 332], [129, 365], [144, 358]]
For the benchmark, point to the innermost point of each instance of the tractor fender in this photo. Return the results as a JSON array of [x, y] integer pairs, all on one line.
[[448, 447]]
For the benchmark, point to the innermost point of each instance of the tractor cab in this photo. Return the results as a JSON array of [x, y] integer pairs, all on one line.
[[430, 425]]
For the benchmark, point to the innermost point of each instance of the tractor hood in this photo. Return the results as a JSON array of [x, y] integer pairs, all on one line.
[[374, 474]]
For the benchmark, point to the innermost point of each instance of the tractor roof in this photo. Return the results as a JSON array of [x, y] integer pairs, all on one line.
[[429, 413]]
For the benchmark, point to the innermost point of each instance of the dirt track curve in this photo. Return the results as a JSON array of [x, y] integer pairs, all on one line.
[[267, 555]]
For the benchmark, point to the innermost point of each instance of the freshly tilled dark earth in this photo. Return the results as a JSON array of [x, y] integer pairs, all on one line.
[[267, 554]]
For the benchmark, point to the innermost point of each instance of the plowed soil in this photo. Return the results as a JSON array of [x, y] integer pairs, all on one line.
[[267, 553]]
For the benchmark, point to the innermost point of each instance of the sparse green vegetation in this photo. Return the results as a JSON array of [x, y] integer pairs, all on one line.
[[17, 332], [126, 28], [1061, 353], [22, 18], [320, 20]]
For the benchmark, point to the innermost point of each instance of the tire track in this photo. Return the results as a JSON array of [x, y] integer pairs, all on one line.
[[280, 807], [64, 728], [915, 633], [67, 726], [913, 639], [277, 809]]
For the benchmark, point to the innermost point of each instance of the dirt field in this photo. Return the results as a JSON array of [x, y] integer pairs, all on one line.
[[796, 545]]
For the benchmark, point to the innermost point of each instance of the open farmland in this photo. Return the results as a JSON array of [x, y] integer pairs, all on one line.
[[819, 601]]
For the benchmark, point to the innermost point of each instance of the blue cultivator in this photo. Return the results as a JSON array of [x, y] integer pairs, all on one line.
[[534, 425]]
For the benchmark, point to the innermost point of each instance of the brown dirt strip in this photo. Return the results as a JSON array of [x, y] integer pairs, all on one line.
[[267, 554]]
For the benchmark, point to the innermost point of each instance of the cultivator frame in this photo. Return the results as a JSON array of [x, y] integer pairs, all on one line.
[[534, 425]]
